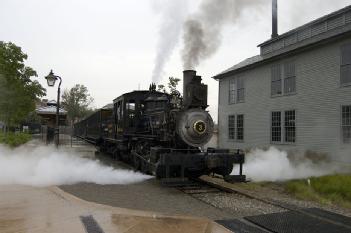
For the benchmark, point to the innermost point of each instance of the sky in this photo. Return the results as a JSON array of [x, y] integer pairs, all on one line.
[[110, 46]]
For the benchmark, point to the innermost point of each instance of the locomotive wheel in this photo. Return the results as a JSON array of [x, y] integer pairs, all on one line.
[[225, 171], [116, 155], [194, 174], [136, 163], [144, 167]]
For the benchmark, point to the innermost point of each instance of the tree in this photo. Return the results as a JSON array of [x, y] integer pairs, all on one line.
[[76, 102], [18, 92], [172, 85], [161, 87]]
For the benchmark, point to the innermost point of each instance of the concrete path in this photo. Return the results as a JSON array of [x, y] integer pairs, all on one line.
[[27, 209]]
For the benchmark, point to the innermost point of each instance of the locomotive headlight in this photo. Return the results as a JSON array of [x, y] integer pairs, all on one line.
[[199, 127]]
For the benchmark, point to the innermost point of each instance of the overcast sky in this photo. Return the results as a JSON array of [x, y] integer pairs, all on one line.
[[110, 45]]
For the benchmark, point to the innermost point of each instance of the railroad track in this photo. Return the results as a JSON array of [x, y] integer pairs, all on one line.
[[197, 186], [200, 186]]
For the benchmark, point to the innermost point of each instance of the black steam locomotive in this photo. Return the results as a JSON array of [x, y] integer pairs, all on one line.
[[161, 134]]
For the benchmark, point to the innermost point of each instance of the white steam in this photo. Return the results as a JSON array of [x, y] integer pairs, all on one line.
[[45, 166], [172, 15], [275, 165]]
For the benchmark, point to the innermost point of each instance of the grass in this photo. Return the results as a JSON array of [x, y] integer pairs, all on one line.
[[252, 186], [333, 189], [14, 139]]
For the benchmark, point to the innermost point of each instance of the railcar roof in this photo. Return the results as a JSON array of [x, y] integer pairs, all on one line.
[[135, 93]]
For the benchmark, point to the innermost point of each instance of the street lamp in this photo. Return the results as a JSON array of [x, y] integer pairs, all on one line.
[[51, 79]]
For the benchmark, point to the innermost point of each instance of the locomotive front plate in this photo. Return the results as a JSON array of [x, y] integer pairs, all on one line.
[[199, 127]]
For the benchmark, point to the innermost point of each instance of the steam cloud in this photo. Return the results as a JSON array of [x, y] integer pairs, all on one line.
[[43, 166], [172, 16], [275, 165], [202, 31]]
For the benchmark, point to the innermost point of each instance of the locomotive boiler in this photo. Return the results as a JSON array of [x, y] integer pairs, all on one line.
[[161, 134]]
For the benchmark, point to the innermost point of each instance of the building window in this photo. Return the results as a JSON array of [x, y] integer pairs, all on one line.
[[240, 127], [276, 127], [232, 89], [276, 88], [289, 78], [231, 127], [346, 123], [289, 126], [241, 89], [236, 90], [236, 128], [345, 69], [283, 127], [286, 85]]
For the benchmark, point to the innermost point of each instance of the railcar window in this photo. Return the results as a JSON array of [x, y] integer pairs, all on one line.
[[130, 106], [119, 110]]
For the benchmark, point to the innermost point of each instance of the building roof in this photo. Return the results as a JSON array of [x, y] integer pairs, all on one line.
[[244, 63], [51, 102], [49, 110], [320, 25], [328, 27]]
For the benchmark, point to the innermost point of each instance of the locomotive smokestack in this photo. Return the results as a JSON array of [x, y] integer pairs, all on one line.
[[188, 76], [274, 18]]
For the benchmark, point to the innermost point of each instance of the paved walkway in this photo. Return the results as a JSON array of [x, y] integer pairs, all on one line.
[[27, 209]]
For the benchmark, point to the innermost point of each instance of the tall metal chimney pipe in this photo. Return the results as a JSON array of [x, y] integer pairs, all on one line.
[[274, 18], [188, 76]]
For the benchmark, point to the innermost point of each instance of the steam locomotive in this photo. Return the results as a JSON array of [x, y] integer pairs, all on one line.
[[161, 134]]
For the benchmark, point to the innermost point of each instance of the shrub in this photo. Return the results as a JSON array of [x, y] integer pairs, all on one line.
[[14, 139]]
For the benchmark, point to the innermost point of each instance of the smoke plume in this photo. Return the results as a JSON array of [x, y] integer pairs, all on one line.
[[276, 165], [202, 30], [172, 17], [45, 166]]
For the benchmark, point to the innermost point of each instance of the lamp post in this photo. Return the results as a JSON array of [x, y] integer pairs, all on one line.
[[51, 79]]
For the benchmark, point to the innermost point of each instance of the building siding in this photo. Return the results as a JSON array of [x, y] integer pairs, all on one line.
[[318, 100]]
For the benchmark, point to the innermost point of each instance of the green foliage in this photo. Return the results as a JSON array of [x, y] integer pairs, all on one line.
[[76, 102], [33, 117], [161, 88], [172, 85], [18, 92], [327, 189], [14, 139]]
